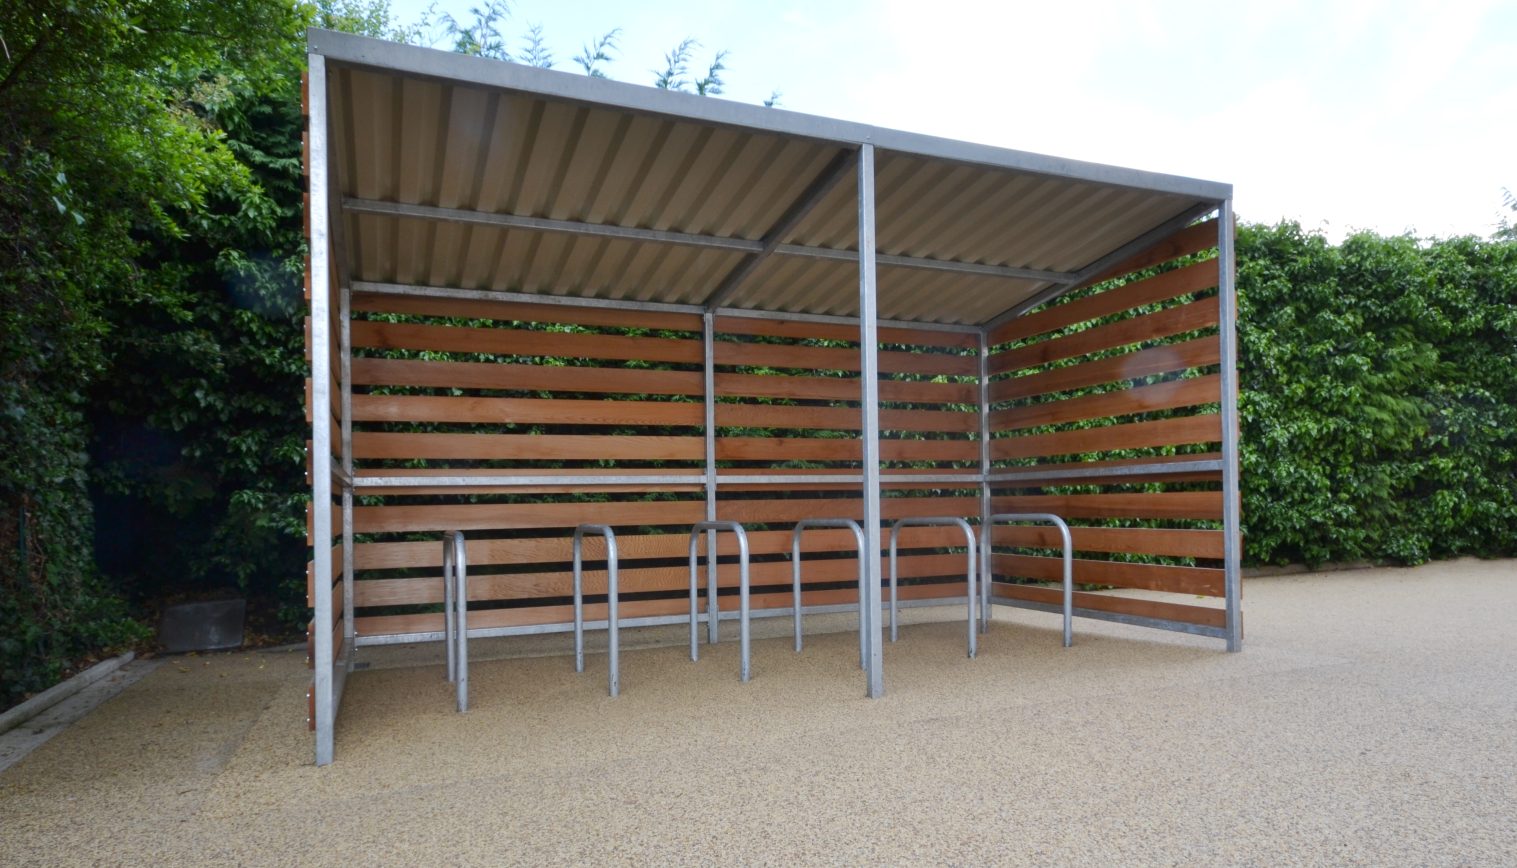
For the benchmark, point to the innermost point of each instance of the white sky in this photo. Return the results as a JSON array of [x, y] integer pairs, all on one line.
[[1392, 116]]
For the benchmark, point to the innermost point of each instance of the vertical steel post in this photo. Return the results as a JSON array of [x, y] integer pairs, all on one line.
[[345, 361], [321, 408], [869, 376], [1232, 532], [985, 572], [713, 608]]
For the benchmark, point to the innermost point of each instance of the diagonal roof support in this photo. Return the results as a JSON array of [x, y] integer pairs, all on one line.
[[834, 173], [1090, 273]]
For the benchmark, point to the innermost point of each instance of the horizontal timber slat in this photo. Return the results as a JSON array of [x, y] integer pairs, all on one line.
[[1170, 321], [512, 516], [1161, 287], [1167, 395], [562, 411], [1202, 615], [506, 311], [1203, 505], [376, 445], [633, 580], [526, 616], [500, 375], [523, 342], [841, 359], [630, 546], [1181, 431], [1194, 353], [1125, 540], [1106, 472], [1147, 577]]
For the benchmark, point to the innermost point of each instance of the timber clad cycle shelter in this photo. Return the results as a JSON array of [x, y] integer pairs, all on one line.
[[608, 356]]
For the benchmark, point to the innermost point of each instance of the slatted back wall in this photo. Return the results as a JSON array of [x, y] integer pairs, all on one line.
[[788, 404], [1120, 383], [467, 388]]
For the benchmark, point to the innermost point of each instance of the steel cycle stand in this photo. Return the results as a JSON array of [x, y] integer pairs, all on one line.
[[711, 610], [795, 573], [455, 592], [935, 521], [613, 643], [1069, 572]]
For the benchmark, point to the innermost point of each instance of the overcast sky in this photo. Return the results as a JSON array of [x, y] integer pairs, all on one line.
[[1393, 116]]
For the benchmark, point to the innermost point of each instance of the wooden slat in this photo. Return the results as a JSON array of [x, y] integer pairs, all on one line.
[[1161, 287], [523, 342], [840, 418], [1185, 430], [505, 311], [546, 484], [1194, 353], [635, 580], [467, 517], [1190, 240], [526, 616], [843, 389], [1201, 615], [802, 330], [510, 516], [1125, 540], [568, 447], [1147, 577], [1167, 395], [531, 378], [841, 449], [630, 547], [1170, 321], [1166, 504], [563, 411], [1046, 474], [841, 359]]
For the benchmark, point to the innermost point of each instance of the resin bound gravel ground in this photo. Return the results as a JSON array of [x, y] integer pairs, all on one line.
[[1371, 720]]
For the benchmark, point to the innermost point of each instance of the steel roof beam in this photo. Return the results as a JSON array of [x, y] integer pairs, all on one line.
[[838, 169], [662, 236]]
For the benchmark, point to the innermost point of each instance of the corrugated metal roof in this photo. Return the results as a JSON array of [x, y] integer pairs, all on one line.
[[414, 131]]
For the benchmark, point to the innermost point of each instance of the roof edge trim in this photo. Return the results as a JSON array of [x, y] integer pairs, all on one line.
[[396, 57]]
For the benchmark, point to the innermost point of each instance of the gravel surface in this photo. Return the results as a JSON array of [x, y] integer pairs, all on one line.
[[1372, 719]]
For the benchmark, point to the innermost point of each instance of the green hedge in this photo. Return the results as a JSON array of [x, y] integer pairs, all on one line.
[[1379, 397]]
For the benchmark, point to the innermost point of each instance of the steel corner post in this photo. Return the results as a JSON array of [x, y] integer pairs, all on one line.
[[1232, 540], [869, 375], [321, 416]]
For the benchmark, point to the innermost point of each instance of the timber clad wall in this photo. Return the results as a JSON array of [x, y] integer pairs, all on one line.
[[1101, 382], [468, 388]]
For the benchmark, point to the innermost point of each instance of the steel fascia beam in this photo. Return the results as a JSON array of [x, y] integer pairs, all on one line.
[[838, 169]]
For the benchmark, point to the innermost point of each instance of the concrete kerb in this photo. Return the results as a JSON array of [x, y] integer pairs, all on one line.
[[59, 692]]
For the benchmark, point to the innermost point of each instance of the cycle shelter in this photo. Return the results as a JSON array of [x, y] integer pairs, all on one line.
[[686, 360]]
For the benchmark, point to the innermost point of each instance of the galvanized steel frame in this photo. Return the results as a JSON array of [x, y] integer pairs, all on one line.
[[455, 585], [712, 617], [795, 578], [860, 143], [1068, 554], [972, 568]]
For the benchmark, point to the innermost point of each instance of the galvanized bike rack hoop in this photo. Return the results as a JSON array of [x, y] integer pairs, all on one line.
[[455, 592], [711, 610], [969, 574], [1068, 548], [795, 577], [613, 643]]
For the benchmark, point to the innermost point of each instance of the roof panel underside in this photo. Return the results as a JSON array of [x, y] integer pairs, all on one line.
[[410, 140]]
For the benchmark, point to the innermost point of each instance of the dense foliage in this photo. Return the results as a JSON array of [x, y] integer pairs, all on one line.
[[1379, 396], [151, 358]]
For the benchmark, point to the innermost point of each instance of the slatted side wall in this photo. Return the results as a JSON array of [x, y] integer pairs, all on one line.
[[1122, 383], [470, 388]]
